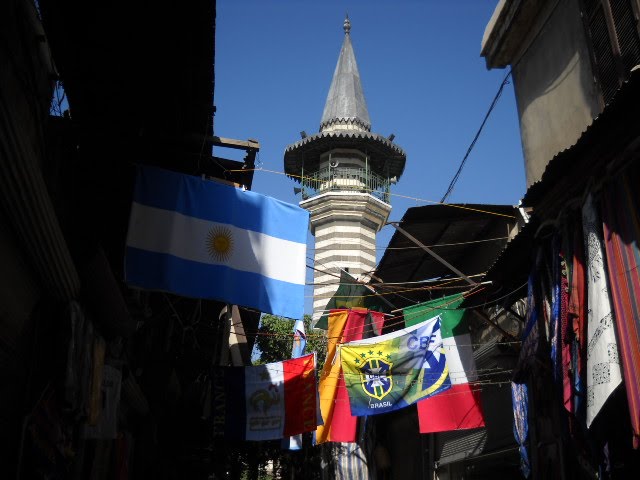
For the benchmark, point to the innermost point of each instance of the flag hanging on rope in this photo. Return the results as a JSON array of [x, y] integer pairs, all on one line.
[[344, 326], [299, 344], [350, 294], [265, 402], [395, 370], [460, 407], [203, 239]]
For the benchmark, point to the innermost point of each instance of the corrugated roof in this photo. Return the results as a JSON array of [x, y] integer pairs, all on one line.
[[510, 270], [457, 229]]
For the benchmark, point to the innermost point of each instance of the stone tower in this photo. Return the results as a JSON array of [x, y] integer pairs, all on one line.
[[345, 173]]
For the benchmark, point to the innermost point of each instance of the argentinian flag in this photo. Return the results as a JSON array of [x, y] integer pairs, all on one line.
[[204, 239]]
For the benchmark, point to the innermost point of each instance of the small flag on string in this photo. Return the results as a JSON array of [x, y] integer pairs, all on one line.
[[299, 345]]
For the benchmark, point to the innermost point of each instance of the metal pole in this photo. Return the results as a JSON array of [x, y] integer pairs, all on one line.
[[432, 253], [370, 288]]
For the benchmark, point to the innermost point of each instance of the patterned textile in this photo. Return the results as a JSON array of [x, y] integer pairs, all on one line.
[[622, 232], [603, 364], [531, 335], [555, 337], [577, 315], [566, 340], [520, 400]]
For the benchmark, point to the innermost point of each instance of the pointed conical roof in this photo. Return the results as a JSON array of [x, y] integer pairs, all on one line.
[[345, 124], [345, 102]]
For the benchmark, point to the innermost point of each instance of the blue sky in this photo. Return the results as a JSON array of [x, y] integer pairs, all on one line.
[[423, 80]]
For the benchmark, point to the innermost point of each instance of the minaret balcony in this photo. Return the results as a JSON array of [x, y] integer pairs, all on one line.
[[345, 179]]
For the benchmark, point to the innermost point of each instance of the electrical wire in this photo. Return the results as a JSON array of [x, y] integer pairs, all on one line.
[[389, 322], [364, 189], [505, 81], [455, 178], [356, 243], [381, 284], [395, 320], [478, 375]]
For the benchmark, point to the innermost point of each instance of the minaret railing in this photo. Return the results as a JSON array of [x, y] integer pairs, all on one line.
[[345, 179]]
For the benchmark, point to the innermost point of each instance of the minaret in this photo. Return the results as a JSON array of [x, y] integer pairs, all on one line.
[[345, 172]]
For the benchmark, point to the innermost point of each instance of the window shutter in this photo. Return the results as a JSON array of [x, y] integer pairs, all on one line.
[[615, 43], [627, 32], [603, 52]]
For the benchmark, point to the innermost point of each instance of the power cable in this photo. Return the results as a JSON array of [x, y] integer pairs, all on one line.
[[364, 189], [454, 180]]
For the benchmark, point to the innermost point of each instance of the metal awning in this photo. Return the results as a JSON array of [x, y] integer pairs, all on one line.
[[468, 236]]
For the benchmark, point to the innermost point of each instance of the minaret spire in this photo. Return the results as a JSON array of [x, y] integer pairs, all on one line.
[[346, 108], [346, 172]]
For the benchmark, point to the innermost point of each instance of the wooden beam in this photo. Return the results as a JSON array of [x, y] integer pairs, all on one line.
[[246, 145], [233, 143]]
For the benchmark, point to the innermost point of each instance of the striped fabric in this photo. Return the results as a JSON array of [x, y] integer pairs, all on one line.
[[351, 462], [620, 203]]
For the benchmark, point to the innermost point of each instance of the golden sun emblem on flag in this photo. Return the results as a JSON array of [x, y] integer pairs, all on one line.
[[220, 243]]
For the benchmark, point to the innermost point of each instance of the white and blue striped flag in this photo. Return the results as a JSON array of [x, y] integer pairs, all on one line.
[[203, 239], [299, 345]]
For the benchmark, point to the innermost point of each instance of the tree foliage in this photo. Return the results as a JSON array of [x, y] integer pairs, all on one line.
[[275, 339]]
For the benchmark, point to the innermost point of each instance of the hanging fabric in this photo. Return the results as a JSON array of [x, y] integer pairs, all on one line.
[[603, 368], [555, 322], [622, 232], [577, 315], [520, 400], [566, 340]]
